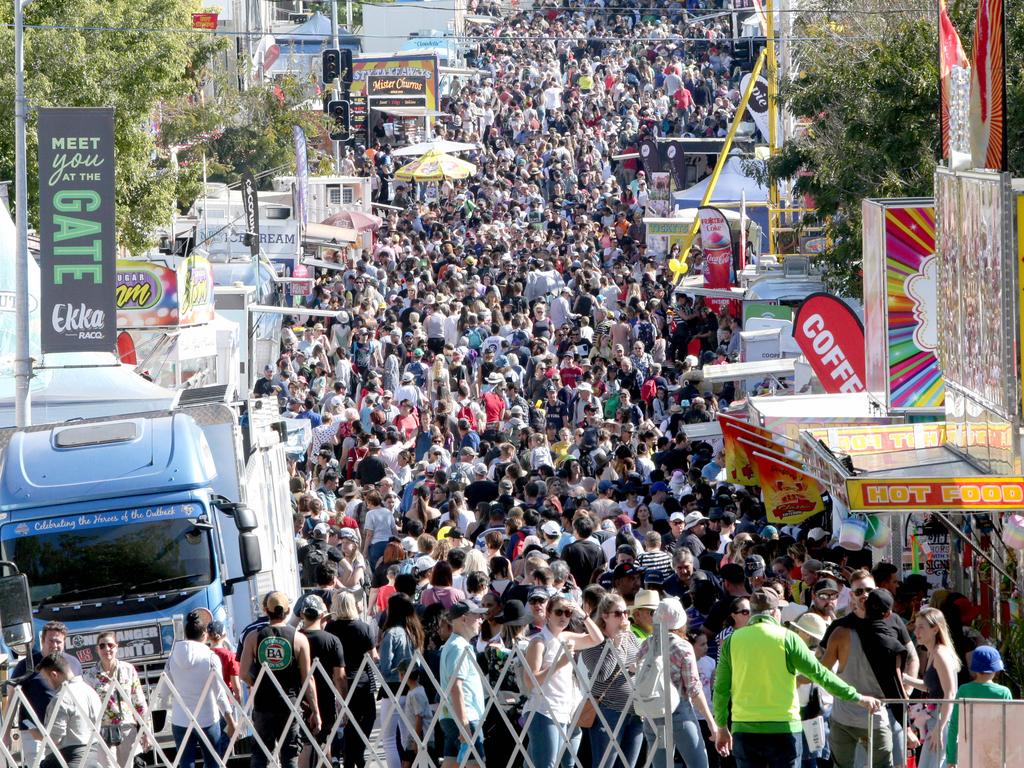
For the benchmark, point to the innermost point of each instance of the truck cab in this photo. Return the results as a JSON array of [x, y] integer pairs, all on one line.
[[118, 525]]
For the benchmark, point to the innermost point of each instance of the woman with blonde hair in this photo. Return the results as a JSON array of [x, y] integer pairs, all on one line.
[[938, 682]]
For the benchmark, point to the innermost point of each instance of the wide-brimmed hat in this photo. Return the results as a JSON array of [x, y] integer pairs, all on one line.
[[646, 598]]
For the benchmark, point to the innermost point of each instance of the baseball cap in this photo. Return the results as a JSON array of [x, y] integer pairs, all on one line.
[[550, 528], [769, 532], [465, 608], [622, 570], [424, 563], [659, 486], [754, 566], [692, 519], [320, 530], [764, 600], [826, 585], [817, 534], [985, 660], [314, 607], [513, 614], [275, 601], [409, 544], [348, 533], [677, 516], [543, 593]]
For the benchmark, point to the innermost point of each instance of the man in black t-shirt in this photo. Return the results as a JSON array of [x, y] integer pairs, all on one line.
[[329, 675], [583, 556]]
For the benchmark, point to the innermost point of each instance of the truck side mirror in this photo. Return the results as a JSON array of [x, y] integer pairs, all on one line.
[[245, 519], [15, 610], [249, 554]]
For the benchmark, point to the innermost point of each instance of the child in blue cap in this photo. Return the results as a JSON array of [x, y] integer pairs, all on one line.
[[986, 663]]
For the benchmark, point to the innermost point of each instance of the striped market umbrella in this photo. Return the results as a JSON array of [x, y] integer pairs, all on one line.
[[435, 166]]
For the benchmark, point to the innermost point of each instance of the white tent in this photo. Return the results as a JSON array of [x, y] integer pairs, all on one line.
[[731, 186]]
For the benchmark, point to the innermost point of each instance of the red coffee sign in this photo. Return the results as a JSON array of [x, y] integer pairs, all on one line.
[[831, 336]]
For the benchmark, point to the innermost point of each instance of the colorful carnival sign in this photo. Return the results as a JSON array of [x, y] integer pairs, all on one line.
[[76, 229], [832, 338], [936, 493], [153, 295], [900, 304]]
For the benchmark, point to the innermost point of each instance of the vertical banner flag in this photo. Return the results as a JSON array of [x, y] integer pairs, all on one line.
[[757, 105], [76, 229], [790, 494], [650, 156], [716, 244], [677, 162], [740, 438], [831, 336], [301, 173], [951, 54], [251, 209], [988, 88]]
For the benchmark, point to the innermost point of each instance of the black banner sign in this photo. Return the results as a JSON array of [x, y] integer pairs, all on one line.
[[251, 207], [78, 260]]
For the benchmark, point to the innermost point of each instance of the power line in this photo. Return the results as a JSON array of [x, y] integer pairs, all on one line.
[[480, 38]]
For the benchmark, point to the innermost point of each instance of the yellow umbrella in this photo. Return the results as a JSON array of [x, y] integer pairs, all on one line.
[[435, 166]]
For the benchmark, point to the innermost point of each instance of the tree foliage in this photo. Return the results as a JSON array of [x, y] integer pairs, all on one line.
[[867, 85], [239, 131], [129, 54]]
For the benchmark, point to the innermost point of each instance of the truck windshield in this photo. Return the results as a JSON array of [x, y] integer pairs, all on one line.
[[112, 561]]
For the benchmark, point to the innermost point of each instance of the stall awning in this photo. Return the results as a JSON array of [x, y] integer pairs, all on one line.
[[324, 234], [917, 477]]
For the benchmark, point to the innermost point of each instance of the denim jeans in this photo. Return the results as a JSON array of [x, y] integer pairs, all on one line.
[[547, 748], [767, 750], [630, 737], [686, 737], [194, 744], [929, 757]]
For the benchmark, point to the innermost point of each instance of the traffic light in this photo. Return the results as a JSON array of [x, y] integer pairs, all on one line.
[[337, 65], [331, 59], [338, 112]]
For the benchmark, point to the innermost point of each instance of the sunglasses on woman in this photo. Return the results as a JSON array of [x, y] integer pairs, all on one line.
[[562, 612], [617, 612], [743, 612]]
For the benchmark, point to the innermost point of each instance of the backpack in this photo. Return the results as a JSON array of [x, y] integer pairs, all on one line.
[[315, 557], [645, 333], [475, 337], [649, 390], [649, 699]]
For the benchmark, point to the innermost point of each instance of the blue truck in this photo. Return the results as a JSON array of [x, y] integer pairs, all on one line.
[[128, 523]]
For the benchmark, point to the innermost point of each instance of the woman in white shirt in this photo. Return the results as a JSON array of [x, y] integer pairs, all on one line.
[[550, 678]]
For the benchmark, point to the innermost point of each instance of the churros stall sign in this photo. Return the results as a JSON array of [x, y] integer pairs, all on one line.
[[936, 493]]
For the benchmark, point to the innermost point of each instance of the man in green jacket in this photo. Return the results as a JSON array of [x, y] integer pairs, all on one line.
[[755, 686]]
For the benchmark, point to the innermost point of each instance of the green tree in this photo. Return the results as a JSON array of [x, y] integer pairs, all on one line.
[[122, 53], [867, 83], [240, 131]]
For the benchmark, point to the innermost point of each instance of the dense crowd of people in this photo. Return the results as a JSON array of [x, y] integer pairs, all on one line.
[[500, 516]]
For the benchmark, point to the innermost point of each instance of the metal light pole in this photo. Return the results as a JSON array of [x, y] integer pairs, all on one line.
[[337, 85], [22, 361]]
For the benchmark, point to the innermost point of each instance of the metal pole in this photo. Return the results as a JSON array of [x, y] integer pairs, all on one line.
[[22, 361], [348, 15], [773, 115], [337, 88]]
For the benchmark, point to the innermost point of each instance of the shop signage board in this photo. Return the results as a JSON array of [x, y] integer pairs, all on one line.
[[151, 295], [76, 229], [966, 494]]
